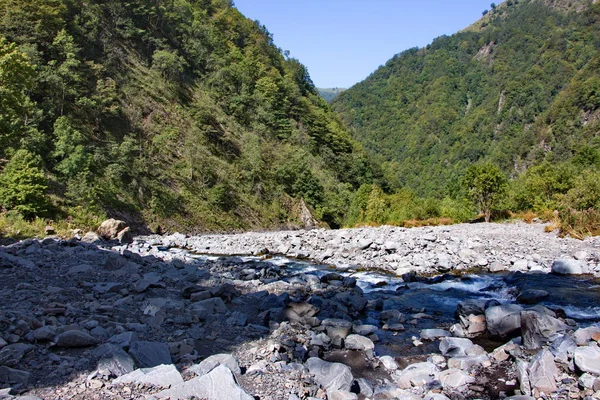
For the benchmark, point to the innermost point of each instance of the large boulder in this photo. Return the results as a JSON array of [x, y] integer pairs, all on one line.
[[543, 372], [503, 321], [75, 338], [537, 328], [418, 375], [162, 376], [455, 347], [150, 354], [332, 376], [568, 266], [217, 384], [111, 228], [587, 359]]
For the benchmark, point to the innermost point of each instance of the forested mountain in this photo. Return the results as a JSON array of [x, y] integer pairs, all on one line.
[[520, 88], [330, 94], [182, 114]]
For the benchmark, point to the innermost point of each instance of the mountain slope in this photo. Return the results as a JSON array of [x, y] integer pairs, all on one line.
[[330, 94], [178, 114], [519, 87]]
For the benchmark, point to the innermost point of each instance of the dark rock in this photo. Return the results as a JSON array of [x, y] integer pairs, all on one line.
[[113, 360], [75, 339], [12, 354], [150, 354], [532, 296]]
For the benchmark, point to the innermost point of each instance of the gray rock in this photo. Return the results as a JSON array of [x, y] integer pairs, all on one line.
[[80, 269], [389, 363], [10, 376], [331, 376], [568, 266], [419, 374], [357, 342], [215, 305], [214, 361], [8, 261], [364, 330], [237, 319], [583, 335], [562, 347], [432, 334], [523, 376], [337, 327], [12, 354], [503, 321], [587, 359], [455, 379], [45, 333], [532, 296], [467, 363], [162, 376], [537, 329], [91, 237], [150, 354], [113, 360], [341, 395], [216, 385], [366, 389], [74, 339], [124, 339], [543, 372], [455, 347]]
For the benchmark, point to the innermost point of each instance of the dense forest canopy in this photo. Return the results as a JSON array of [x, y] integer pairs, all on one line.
[[178, 113], [518, 88]]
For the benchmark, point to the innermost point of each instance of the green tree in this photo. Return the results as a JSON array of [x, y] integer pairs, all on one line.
[[23, 185], [16, 77], [484, 184]]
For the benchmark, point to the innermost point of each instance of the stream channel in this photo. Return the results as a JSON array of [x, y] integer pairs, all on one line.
[[431, 302]]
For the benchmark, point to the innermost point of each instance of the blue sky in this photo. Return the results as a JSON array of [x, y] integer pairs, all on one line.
[[343, 41]]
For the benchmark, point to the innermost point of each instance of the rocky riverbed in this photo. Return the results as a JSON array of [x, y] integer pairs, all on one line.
[[461, 312]]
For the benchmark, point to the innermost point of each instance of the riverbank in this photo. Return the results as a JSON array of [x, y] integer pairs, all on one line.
[[147, 319], [513, 246]]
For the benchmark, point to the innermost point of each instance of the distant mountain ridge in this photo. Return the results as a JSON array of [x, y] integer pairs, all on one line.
[[330, 94], [519, 87]]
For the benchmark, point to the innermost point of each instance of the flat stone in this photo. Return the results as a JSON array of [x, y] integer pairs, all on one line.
[[454, 379], [150, 354], [432, 334], [331, 376], [75, 338], [543, 372], [364, 330], [214, 361], [124, 339], [163, 376], [218, 384], [587, 359]]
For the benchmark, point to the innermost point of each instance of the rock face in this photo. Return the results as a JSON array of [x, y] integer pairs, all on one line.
[[543, 372], [538, 328], [587, 359]]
